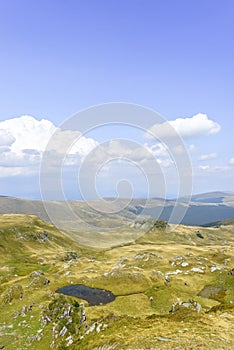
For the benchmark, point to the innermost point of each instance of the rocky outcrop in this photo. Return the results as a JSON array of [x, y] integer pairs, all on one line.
[[14, 292], [38, 278], [24, 310], [68, 255], [191, 305], [67, 318]]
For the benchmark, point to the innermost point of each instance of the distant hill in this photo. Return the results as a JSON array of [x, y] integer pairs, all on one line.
[[213, 197], [227, 222], [220, 223], [203, 209]]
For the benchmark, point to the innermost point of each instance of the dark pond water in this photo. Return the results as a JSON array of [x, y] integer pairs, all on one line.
[[93, 296]]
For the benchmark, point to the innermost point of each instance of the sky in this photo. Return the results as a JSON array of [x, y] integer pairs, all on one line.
[[61, 57]]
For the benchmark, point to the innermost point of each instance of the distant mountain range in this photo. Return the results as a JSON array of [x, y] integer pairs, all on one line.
[[203, 209]]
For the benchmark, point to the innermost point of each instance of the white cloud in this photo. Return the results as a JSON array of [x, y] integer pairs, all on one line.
[[122, 152], [192, 148], [204, 167], [231, 161], [6, 138], [71, 142], [28, 132], [158, 150], [207, 156], [83, 146], [198, 125], [23, 140], [211, 169]]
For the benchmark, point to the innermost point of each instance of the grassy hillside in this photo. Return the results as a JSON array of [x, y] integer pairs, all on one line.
[[187, 271], [203, 209]]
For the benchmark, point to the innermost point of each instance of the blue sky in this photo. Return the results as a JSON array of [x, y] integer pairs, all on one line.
[[58, 57]]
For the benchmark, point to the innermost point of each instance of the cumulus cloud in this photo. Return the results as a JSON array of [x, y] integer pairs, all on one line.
[[198, 125], [70, 142], [6, 138], [28, 132], [23, 141], [83, 146], [231, 161], [207, 156]]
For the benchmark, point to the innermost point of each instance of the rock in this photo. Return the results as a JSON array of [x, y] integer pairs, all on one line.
[[2, 346], [63, 331], [47, 319], [24, 311], [14, 292], [69, 255], [190, 305], [231, 272], [37, 277], [176, 272], [98, 328], [82, 313], [64, 315], [67, 266], [178, 258], [163, 339], [186, 304], [69, 340], [180, 331], [199, 235], [217, 267], [184, 264], [43, 237], [197, 269], [38, 273], [157, 275], [91, 329], [120, 263], [198, 307], [139, 257], [167, 278], [33, 338], [67, 312]]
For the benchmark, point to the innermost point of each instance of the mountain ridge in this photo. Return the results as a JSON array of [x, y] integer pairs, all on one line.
[[202, 209]]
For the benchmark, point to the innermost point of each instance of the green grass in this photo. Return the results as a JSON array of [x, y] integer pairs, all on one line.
[[139, 315]]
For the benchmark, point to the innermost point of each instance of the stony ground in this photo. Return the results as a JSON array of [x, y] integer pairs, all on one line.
[[174, 290]]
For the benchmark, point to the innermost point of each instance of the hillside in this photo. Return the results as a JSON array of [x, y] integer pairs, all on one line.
[[202, 209], [166, 284]]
